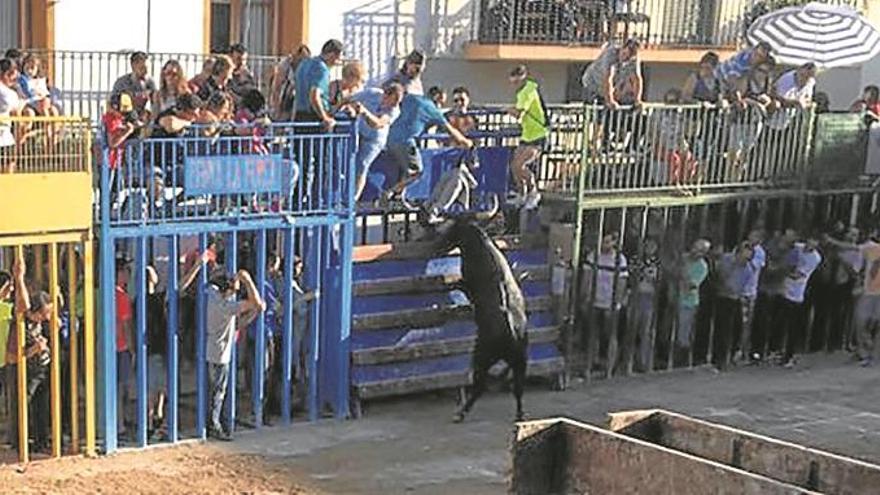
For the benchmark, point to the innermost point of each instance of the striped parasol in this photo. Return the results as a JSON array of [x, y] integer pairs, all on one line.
[[830, 36]]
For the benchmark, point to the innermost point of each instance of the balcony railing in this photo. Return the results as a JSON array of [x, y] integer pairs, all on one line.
[[682, 149], [659, 23], [278, 171]]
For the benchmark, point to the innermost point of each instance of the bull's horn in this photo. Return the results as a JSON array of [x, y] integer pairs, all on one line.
[[485, 216]]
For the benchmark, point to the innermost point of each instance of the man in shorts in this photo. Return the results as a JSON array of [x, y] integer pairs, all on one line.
[[529, 109], [417, 113], [376, 109]]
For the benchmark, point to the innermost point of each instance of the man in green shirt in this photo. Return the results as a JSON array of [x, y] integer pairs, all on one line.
[[5, 313], [530, 110], [694, 271]]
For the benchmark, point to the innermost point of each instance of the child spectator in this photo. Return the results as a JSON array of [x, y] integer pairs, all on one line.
[[137, 83], [223, 309], [352, 82], [281, 98], [376, 110], [34, 86], [172, 85], [609, 271], [242, 79], [458, 116], [119, 124], [199, 80]]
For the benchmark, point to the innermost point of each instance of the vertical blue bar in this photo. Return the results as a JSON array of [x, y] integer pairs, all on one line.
[[201, 327], [107, 338], [287, 354], [231, 267], [259, 384], [141, 341], [329, 322], [313, 269], [173, 358], [346, 260]]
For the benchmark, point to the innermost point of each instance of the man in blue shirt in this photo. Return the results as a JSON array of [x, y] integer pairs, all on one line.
[[417, 113], [732, 270], [312, 79], [377, 109]]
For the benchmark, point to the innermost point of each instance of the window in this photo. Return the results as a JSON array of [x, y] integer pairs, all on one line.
[[246, 21], [221, 26]]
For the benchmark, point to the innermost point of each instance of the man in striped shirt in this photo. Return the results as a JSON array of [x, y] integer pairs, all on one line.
[[729, 72]]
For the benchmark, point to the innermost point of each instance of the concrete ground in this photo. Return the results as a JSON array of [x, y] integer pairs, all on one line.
[[411, 446]]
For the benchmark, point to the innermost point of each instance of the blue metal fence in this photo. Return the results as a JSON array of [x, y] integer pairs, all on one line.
[[244, 192]]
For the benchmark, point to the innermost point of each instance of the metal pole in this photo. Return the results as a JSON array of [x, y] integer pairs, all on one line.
[[201, 364], [89, 338], [54, 337], [140, 339], [73, 345], [173, 295], [22, 378], [287, 354], [231, 268], [259, 380]]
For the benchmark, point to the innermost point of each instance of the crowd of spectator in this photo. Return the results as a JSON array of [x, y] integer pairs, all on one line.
[[645, 307]]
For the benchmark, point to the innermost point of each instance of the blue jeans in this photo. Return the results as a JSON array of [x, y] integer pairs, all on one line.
[[219, 376], [367, 153]]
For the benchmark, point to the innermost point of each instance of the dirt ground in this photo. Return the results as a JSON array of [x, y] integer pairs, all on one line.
[[411, 446]]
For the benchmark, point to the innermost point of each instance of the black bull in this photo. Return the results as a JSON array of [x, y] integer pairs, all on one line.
[[499, 309]]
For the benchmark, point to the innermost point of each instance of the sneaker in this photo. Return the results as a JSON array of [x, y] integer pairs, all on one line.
[[516, 199], [866, 363], [790, 363], [532, 200], [219, 434]]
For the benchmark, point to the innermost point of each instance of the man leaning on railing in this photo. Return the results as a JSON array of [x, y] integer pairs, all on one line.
[[615, 78]]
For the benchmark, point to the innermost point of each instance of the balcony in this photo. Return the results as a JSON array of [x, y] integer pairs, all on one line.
[[672, 30], [46, 176]]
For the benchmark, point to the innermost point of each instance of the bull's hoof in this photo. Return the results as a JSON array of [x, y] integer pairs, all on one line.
[[458, 417]]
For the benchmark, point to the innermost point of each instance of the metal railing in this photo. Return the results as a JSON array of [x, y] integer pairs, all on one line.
[[681, 148], [697, 23], [82, 81], [285, 171], [44, 145]]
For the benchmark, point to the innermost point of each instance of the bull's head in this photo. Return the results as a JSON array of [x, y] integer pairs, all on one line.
[[457, 229]]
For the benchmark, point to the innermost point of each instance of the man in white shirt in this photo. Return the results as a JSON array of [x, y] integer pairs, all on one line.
[[610, 275], [794, 91], [792, 321]]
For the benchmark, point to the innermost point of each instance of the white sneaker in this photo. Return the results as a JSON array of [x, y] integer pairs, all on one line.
[[516, 199], [532, 200]]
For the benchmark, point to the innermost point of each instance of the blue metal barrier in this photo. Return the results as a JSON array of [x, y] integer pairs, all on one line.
[[292, 192]]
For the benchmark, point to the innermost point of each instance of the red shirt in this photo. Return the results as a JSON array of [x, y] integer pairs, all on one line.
[[113, 124], [123, 316]]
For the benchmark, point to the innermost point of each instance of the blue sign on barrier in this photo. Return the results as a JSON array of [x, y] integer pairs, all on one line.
[[492, 175], [233, 174]]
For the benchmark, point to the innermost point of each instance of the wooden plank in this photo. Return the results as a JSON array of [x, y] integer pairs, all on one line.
[[427, 317], [431, 283], [430, 383], [427, 350], [422, 250]]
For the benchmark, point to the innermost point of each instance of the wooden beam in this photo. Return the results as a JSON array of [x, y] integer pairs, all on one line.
[[552, 53], [293, 25], [42, 24], [206, 26], [234, 22]]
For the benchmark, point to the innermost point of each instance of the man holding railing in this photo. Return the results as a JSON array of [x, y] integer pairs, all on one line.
[[615, 78], [731, 71]]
